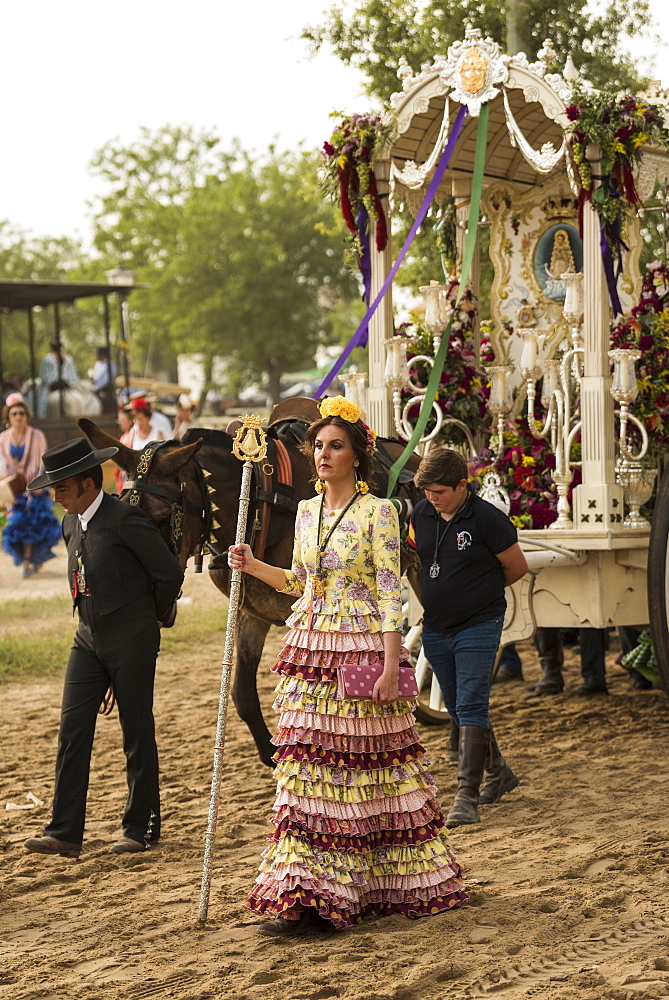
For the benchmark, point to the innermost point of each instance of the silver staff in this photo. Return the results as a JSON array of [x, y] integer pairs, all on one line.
[[249, 446]]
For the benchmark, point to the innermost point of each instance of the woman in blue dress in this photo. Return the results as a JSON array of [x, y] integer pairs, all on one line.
[[32, 530]]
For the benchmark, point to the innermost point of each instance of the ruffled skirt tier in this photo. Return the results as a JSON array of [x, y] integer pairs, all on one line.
[[357, 828], [31, 522]]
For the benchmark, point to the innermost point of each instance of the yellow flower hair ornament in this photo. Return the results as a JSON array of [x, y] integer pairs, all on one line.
[[339, 406]]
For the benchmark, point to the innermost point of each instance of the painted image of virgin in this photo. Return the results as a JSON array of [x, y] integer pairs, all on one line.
[[557, 251]]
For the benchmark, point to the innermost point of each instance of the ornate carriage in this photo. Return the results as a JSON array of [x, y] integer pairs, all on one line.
[[550, 307]]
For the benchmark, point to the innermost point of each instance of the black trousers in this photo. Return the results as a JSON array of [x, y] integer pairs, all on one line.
[[119, 649], [593, 656]]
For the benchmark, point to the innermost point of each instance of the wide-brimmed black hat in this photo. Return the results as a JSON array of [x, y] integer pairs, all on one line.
[[69, 459]]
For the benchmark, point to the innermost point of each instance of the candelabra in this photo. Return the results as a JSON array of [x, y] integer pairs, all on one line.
[[501, 398], [556, 396], [398, 377], [560, 378], [355, 389], [625, 390], [438, 308], [632, 474]]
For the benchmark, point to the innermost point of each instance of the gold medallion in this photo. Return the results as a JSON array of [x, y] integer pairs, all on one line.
[[473, 71]]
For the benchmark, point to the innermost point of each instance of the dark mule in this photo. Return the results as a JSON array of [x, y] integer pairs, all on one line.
[[174, 464]]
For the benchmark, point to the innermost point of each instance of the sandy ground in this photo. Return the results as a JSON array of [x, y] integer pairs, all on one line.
[[568, 874]]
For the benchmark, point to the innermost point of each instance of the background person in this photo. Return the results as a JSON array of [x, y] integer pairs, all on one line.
[[124, 582], [31, 531], [184, 416], [352, 778], [102, 376], [57, 371], [469, 553], [144, 431], [125, 426]]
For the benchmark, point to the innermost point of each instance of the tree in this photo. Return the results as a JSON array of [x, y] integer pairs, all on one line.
[[376, 34], [26, 258], [243, 258]]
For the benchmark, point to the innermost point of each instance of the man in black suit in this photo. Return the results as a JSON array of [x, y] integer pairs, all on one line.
[[124, 583]]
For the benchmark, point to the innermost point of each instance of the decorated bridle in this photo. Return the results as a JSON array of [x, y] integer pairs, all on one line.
[[177, 501]]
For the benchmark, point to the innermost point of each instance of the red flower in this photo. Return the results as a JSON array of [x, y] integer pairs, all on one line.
[[572, 112], [523, 477]]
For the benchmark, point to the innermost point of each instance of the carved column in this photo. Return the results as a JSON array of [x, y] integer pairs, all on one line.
[[379, 409], [598, 502]]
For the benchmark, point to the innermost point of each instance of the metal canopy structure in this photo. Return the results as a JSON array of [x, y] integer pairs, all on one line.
[[24, 295]]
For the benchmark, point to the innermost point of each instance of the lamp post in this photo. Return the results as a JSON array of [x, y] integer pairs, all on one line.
[[123, 280]]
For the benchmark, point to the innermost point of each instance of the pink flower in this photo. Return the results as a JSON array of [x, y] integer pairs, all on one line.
[[330, 559], [387, 580]]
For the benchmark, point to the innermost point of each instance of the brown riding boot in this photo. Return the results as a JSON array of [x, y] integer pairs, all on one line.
[[498, 778], [472, 756], [453, 741]]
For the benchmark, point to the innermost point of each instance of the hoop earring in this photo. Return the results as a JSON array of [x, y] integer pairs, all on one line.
[[319, 486]]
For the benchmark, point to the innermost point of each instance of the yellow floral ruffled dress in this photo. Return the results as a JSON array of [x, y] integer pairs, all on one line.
[[357, 828]]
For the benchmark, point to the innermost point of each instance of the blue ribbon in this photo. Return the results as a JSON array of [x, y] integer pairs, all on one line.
[[357, 338]]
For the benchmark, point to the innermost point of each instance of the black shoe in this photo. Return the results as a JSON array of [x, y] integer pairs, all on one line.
[[589, 690], [642, 683], [539, 688]]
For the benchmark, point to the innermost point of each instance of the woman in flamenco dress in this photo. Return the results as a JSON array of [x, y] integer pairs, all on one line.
[[32, 530], [357, 829]]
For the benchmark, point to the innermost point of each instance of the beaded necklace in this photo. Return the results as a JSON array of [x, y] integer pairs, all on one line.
[[318, 587]]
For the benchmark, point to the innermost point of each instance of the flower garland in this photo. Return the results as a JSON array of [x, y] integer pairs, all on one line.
[[348, 158], [621, 127], [647, 328]]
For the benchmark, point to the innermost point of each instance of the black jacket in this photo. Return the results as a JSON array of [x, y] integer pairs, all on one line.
[[124, 558]]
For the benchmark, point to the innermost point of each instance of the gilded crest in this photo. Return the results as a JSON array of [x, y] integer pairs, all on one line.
[[250, 443], [473, 71]]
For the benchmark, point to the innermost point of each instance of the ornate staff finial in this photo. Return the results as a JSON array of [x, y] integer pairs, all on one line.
[[250, 442]]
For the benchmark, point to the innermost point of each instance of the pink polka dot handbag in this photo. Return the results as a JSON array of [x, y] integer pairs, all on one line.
[[358, 680]]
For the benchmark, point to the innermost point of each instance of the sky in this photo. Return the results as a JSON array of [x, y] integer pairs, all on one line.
[[78, 74]]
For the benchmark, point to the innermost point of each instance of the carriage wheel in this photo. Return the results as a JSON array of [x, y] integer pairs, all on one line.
[[658, 579], [430, 706]]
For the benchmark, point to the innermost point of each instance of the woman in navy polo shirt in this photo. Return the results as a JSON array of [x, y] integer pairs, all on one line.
[[469, 553]]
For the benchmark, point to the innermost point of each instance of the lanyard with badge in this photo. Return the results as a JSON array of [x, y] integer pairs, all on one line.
[[435, 568]]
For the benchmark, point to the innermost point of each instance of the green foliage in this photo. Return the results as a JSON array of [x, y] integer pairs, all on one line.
[[27, 258], [243, 258], [376, 34]]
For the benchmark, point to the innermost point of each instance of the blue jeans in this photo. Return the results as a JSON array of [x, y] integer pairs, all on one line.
[[463, 664]]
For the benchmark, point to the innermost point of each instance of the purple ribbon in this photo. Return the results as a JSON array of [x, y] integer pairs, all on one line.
[[607, 259], [365, 265], [357, 338]]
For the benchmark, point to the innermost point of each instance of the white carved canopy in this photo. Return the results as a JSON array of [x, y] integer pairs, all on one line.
[[526, 138]]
